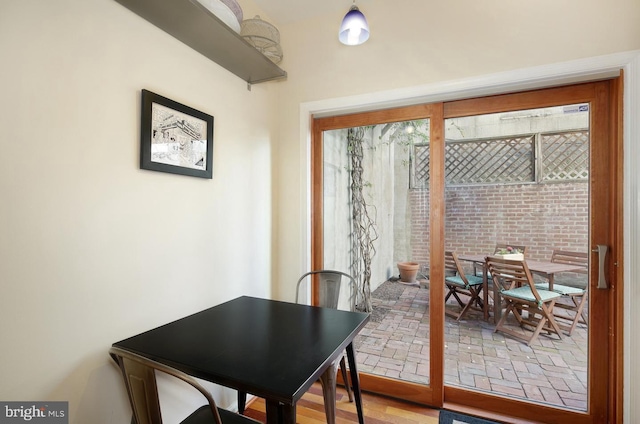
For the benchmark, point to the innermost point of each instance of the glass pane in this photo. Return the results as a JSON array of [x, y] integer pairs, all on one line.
[[373, 220], [517, 184]]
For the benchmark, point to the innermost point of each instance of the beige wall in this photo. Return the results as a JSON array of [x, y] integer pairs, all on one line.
[[93, 249]]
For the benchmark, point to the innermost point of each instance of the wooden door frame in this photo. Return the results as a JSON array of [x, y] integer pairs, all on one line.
[[458, 398]]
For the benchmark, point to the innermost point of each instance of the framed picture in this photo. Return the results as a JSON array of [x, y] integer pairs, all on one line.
[[175, 138]]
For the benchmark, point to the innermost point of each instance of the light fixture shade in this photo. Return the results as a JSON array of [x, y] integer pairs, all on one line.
[[354, 29]]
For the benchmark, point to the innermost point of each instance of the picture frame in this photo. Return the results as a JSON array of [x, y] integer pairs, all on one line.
[[175, 138]]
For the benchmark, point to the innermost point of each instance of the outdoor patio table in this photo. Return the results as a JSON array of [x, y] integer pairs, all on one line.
[[543, 268], [274, 350]]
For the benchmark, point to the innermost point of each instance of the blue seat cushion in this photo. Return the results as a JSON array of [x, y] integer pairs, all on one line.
[[473, 280], [525, 293], [559, 288]]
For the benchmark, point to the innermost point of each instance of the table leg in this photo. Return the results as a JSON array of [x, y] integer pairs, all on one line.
[[288, 414], [355, 381], [278, 413], [242, 401], [273, 411], [497, 304], [485, 290]]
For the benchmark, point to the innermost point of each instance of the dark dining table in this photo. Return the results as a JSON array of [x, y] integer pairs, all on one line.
[[271, 349], [543, 268]]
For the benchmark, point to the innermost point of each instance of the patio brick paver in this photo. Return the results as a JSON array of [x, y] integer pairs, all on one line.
[[395, 344]]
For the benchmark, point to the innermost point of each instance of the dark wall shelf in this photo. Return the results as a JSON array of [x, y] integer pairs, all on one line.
[[191, 23]]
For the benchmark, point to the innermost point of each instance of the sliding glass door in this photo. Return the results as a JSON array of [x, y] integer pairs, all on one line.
[[362, 194], [517, 184], [528, 173]]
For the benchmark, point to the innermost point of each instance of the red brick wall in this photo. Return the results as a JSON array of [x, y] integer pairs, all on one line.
[[542, 217]]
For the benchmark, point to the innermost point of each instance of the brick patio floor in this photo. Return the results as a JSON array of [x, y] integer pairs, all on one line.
[[395, 343]]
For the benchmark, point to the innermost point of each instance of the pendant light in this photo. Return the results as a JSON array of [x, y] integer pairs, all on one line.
[[354, 29]]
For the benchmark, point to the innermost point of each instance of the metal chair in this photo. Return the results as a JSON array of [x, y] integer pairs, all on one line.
[[330, 288], [515, 284], [461, 284], [139, 375], [573, 313]]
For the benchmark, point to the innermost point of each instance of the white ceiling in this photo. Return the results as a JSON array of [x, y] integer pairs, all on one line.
[[288, 11]]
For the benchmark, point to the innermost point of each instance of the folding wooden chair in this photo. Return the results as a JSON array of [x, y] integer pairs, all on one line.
[[577, 292], [461, 284], [519, 293]]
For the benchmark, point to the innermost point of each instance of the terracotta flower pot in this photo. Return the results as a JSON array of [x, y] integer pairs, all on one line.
[[408, 271]]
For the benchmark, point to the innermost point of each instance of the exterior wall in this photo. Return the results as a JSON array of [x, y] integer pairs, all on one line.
[[402, 224], [337, 202], [542, 217], [378, 193]]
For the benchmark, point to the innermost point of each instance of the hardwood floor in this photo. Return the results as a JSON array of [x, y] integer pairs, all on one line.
[[377, 410]]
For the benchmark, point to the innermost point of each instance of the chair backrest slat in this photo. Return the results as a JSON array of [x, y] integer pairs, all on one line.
[[331, 285], [143, 392], [571, 258], [140, 379], [452, 263]]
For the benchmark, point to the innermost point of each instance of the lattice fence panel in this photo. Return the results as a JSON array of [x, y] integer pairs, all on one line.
[[505, 160], [420, 166], [490, 161], [565, 156]]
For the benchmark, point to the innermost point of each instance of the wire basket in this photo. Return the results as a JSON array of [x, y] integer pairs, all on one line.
[[263, 36]]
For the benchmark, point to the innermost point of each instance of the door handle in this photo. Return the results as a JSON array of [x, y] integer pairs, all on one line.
[[602, 254]]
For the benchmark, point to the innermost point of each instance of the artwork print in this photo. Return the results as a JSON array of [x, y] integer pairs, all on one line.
[[175, 138]]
